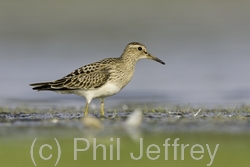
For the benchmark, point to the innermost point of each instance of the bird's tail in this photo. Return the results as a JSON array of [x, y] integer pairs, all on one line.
[[41, 86]]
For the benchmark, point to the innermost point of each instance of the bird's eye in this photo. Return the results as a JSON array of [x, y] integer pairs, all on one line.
[[139, 48]]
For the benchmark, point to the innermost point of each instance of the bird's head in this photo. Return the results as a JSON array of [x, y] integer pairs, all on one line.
[[138, 51]]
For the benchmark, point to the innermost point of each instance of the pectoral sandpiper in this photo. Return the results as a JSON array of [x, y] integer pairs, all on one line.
[[100, 79]]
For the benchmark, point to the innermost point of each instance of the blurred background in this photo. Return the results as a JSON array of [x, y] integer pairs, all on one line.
[[205, 45]]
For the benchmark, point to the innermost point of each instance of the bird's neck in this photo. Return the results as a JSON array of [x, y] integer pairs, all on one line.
[[129, 60]]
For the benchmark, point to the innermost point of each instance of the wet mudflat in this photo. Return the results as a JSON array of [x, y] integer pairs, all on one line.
[[152, 120], [219, 135]]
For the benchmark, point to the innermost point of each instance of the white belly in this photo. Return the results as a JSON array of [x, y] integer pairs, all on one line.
[[107, 89]]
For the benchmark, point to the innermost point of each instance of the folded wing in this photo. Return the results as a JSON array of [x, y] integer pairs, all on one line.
[[91, 76]]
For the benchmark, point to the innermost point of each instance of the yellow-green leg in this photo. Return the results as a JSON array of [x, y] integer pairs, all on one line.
[[102, 107], [86, 111]]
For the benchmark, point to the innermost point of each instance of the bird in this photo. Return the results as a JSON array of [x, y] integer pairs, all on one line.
[[100, 79]]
